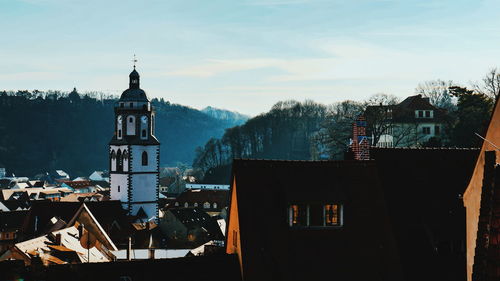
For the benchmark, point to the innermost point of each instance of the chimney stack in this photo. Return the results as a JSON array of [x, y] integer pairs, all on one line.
[[129, 248], [58, 239]]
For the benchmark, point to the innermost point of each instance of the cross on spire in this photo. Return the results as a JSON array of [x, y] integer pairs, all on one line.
[[134, 60]]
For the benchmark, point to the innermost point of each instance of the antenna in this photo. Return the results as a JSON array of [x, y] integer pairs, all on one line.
[[487, 141], [134, 60]]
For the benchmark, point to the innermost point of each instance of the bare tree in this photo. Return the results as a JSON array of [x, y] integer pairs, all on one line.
[[333, 137], [378, 113], [490, 84], [438, 93]]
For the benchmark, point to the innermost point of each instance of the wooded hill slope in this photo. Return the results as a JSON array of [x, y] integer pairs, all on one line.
[[43, 131]]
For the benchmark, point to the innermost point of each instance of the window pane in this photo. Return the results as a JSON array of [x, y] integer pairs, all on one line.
[[332, 214], [298, 215], [315, 215]]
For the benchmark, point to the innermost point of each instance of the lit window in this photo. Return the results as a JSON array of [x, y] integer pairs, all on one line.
[[332, 215], [298, 215], [186, 205], [206, 205], [195, 204], [315, 215]]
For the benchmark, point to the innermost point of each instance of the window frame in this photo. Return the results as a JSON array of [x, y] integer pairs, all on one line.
[[307, 225]]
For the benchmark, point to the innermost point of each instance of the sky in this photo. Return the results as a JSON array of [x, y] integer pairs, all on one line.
[[247, 55]]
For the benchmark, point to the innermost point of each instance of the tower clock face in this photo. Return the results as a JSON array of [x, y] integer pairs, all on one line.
[[144, 119], [119, 119]]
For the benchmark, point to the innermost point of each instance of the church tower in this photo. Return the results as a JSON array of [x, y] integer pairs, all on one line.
[[135, 153]]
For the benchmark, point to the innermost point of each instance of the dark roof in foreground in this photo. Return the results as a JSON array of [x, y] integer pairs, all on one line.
[[362, 249], [423, 189]]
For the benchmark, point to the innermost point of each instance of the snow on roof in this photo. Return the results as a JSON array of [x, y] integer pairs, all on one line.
[[142, 254]]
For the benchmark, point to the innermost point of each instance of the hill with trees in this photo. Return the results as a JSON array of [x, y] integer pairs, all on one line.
[[43, 131]]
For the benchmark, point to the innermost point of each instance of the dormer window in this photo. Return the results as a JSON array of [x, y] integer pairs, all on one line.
[[315, 215]]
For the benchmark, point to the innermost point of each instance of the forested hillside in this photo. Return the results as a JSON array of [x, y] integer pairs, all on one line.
[[42, 131], [307, 130]]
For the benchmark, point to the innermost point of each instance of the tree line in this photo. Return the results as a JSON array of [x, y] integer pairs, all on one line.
[[307, 130], [41, 131]]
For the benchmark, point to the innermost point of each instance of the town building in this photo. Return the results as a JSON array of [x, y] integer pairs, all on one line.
[[411, 123], [135, 153], [99, 176], [189, 227], [211, 201], [82, 239]]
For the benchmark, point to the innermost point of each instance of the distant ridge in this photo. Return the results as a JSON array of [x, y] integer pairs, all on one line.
[[231, 118]]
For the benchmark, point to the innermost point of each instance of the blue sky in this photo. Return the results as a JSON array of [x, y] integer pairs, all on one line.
[[246, 55]]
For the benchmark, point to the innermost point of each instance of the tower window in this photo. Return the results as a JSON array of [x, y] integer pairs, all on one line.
[[119, 133], [143, 133], [130, 119], [119, 161], [144, 158], [118, 188]]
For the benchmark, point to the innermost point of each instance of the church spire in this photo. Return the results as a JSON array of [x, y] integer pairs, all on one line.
[[134, 77]]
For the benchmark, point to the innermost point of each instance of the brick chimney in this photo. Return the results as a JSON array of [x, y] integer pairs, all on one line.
[[360, 145]]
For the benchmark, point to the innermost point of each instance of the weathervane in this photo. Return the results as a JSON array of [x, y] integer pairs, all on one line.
[[135, 60]]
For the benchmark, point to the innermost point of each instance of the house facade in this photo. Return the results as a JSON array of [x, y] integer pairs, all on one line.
[[411, 123]]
